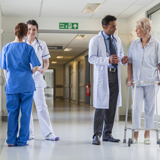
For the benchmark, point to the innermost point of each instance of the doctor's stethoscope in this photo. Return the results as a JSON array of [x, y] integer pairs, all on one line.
[[39, 45]]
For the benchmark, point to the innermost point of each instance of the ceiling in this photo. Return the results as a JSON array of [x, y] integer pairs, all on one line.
[[67, 41], [69, 8]]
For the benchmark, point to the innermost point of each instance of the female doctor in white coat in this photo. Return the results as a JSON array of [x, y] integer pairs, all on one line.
[[42, 52], [105, 52]]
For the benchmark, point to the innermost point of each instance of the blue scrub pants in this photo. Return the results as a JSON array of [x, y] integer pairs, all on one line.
[[15, 102]]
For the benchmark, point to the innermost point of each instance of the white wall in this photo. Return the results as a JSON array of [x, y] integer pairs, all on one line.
[[3, 110], [0, 69], [141, 14], [51, 22]]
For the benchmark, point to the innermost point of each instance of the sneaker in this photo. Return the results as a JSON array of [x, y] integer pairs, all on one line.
[[147, 141], [27, 144], [134, 141], [51, 137], [31, 137]]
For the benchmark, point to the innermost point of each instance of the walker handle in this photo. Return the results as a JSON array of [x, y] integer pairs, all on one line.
[[155, 82]]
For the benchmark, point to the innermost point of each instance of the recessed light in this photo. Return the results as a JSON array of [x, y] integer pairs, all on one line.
[[54, 62], [80, 36], [91, 7], [67, 49], [59, 56]]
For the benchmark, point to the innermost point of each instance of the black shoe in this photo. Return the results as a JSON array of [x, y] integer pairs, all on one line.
[[110, 138], [96, 140]]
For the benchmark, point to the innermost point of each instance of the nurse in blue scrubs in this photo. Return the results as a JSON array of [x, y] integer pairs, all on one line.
[[15, 59]]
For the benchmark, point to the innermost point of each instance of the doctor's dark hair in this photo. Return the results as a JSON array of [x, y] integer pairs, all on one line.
[[21, 30], [107, 19], [33, 22]]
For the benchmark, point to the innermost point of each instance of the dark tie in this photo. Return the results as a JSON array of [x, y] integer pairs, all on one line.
[[112, 50]]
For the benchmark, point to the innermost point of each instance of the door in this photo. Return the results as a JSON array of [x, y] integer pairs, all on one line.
[[70, 83]]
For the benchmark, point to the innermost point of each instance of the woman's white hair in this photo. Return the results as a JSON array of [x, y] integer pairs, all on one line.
[[146, 25]]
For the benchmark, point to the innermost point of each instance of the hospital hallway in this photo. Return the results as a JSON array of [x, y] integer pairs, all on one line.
[[74, 125]]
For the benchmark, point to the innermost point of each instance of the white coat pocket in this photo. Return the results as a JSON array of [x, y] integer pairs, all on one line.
[[100, 74]]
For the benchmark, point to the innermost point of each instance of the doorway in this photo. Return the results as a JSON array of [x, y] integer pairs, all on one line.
[[49, 77], [70, 84]]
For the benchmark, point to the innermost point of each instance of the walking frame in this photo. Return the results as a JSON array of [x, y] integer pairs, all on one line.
[[130, 140]]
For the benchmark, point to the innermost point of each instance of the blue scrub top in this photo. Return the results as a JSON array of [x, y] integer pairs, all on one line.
[[16, 59]]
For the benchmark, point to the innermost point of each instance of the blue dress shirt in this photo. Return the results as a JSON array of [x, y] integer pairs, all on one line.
[[106, 39]]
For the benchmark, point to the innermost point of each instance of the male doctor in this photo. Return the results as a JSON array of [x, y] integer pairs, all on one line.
[[106, 53]]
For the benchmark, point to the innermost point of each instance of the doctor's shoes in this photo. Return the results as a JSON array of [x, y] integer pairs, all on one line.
[[51, 137], [110, 138], [96, 140]]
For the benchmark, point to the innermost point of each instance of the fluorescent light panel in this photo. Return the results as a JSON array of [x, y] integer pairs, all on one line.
[[80, 36], [67, 49], [91, 7], [54, 62], [59, 56]]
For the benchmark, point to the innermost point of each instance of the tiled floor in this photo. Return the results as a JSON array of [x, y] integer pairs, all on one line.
[[74, 125]]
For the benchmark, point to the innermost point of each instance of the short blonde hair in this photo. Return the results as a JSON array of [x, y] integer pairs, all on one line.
[[146, 25]]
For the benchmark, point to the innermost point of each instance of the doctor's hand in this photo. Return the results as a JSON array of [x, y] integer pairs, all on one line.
[[41, 71], [159, 83], [114, 59], [125, 59], [129, 83]]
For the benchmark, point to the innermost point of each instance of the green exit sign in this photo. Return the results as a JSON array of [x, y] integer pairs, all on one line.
[[68, 25]]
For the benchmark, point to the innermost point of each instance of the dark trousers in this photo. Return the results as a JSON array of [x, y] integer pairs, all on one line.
[[106, 116]]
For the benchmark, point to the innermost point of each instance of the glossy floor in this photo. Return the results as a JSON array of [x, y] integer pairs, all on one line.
[[74, 125]]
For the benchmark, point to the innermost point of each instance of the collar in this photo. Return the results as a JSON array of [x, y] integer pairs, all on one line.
[[106, 36], [150, 41], [32, 42]]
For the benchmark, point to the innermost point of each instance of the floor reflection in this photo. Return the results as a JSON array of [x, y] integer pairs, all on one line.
[[74, 126]]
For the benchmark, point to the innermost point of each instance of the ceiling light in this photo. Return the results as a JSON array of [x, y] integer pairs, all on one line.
[[54, 62], [91, 7], [67, 49], [59, 56], [80, 36]]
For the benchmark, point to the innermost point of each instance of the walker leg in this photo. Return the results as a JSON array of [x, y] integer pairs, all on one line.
[[126, 119], [158, 140], [132, 135], [129, 142], [133, 109], [156, 106], [124, 140]]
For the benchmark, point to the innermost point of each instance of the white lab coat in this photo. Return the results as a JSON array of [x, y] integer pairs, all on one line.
[[98, 57]]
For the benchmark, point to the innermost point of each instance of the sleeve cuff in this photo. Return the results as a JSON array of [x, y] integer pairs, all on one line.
[[46, 56]]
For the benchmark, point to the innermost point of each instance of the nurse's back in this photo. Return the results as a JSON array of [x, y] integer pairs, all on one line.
[[16, 58]]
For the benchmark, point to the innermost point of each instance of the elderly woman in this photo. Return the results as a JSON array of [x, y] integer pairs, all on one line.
[[144, 54]]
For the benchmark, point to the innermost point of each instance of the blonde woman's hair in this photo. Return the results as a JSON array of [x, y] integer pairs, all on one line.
[[146, 25]]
